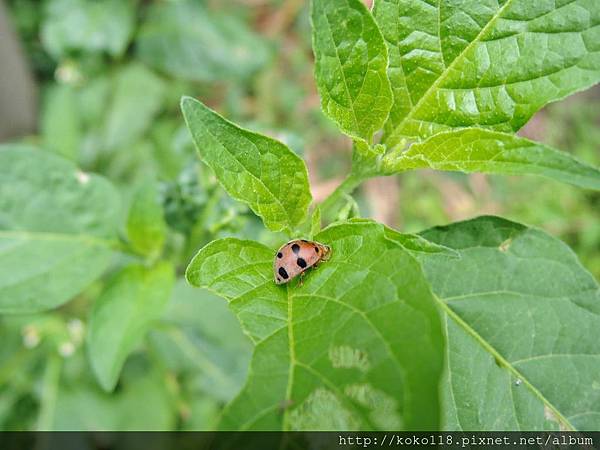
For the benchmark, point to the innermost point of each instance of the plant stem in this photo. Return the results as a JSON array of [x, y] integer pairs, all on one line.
[[49, 393], [347, 186]]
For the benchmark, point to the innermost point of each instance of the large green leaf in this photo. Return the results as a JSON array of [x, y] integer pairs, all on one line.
[[57, 227], [75, 25], [188, 41], [357, 346], [523, 326], [484, 63], [350, 66], [133, 299], [255, 169], [481, 150]]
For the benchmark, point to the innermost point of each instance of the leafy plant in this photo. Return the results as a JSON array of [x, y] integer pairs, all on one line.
[[359, 345], [482, 324]]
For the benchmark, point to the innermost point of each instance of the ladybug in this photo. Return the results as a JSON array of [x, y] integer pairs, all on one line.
[[293, 258]]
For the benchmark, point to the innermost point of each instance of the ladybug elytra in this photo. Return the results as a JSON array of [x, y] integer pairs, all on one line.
[[293, 258]]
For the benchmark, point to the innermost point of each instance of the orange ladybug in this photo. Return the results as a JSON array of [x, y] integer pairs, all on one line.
[[293, 258]]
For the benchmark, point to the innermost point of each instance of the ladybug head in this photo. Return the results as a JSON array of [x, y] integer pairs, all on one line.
[[326, 251]]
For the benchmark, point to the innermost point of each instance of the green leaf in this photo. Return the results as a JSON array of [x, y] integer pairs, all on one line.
[[342, 350], [349, 209], [60, 122], [187, 41], [257, 170], [146, 403], [480, 150], [484, 63], [173, 147], [138, 96], [57, 228], [523, 325], [122, 315], [350, 66], [85, 408], [80, 25], [141, 403], [93, 100], [146, 227], [418, 245]]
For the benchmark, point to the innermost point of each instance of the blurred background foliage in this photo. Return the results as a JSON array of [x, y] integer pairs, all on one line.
[[111, 73]]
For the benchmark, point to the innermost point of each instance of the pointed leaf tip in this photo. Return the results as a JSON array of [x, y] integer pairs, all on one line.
[[254, 169]]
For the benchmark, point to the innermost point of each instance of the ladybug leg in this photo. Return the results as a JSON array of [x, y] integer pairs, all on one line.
[[301, 279]]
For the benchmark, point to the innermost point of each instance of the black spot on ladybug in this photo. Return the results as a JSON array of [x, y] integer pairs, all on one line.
[[317, 249], [278, 279], [295, 248], [301, 263], [283, 273], [279, 254]]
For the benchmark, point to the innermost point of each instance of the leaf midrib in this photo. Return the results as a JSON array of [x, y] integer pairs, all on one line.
[[502, 361], [292, 349], [295, 363], [397, 129]]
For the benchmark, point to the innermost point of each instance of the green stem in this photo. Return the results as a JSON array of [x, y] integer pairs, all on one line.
[[345, 188], [49, 393]]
